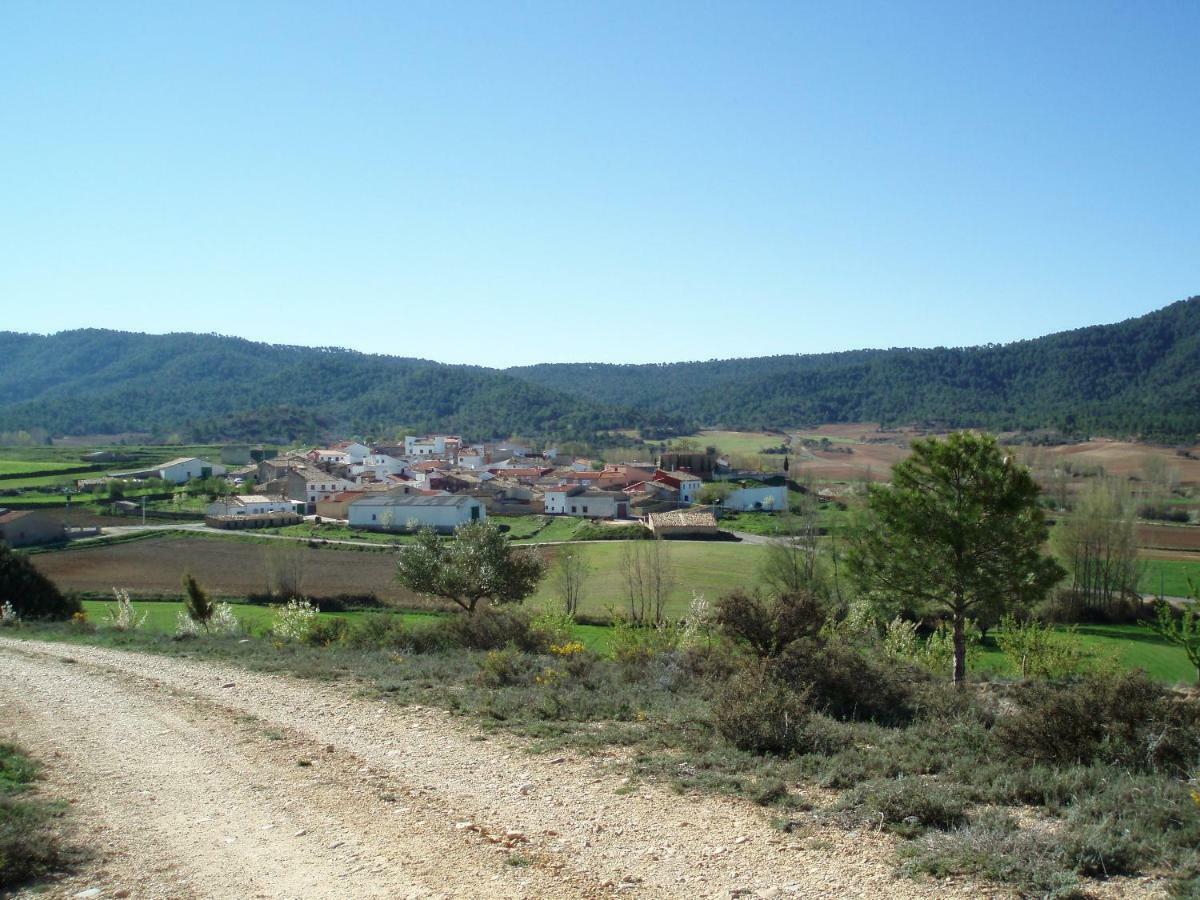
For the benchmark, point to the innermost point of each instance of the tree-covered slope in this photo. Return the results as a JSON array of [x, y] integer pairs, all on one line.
[[1141, 376], [211, 387]]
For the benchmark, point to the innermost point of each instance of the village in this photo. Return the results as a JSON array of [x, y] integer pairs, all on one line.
[[439, 481]]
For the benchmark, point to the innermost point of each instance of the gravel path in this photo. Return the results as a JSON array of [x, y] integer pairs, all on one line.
[[191, 779]]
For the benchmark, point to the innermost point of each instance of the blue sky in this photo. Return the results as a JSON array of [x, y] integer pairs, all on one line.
[[624, 182]]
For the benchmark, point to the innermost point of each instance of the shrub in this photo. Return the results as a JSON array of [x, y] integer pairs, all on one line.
[[907, 806], [501, 668], [992, 846], [325, 632], [122, 616], [492, 629], [196, 602], [769, 624], [760, 714], [848, 684], [1124, 720], [31, 594], [636, 647], [8, 614], [1037, 651], [384, 631], [294, 621]]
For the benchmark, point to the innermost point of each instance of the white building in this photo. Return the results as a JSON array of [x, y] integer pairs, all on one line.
[[178, 471], [355, 452], [431, 444], [768, 499], [249, 505], [402, 512], [575, 500], [381, 464]]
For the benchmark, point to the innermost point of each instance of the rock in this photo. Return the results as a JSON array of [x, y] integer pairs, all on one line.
[[526, 788], [301, 833], [121, 893], [88, 893], [769, 893], [912, 820], [464, 826], [557, 760], [515, 836], [741, 840], [228, 684]]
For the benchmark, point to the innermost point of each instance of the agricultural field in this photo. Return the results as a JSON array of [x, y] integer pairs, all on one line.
[[228, 567], [234, 567], [709, 569]]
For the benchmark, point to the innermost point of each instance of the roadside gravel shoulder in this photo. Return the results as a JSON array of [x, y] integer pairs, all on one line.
[[198, 779]]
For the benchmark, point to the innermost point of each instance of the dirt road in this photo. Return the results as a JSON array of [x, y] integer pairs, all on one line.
[[192, 779]]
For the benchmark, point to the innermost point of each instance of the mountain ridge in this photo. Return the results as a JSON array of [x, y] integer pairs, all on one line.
[[1140, 376]]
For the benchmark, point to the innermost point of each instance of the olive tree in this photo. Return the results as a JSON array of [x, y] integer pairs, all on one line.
[[957, 533], [478, 563]]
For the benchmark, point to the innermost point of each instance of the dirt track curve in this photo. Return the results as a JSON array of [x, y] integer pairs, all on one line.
[[192, 779]]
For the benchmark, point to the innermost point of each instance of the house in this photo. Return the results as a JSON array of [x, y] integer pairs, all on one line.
[[311, 486], [604, 479], [355, 452], [702, 463], [576, 500], [249, 505], [338, 506], [178, 471], [26, 527], [381, 464], [402, 512], [687, 484], [327, 457], [682, 523], [764, 498], [431, 444]]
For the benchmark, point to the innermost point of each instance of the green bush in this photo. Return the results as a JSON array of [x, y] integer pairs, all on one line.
[[492, 629], [379, 631], [760, 714], [327, 631], [907, 806], [991, 846], [501, 668], [848, 684], [767, 625], [32, 594], [1124, 720]]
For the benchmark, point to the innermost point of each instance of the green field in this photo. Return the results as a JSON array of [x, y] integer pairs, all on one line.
[[711, 569], [1131, 646], [738, 441], [1170, 576], [18, 466]]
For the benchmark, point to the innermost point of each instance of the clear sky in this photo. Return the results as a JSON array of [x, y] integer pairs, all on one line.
[[503, 183]]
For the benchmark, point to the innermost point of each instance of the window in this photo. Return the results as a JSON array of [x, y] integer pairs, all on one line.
[[585, 510], [573, 509]]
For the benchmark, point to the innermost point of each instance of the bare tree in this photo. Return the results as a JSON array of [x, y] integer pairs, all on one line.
[[792, 563], [1097, 544], [570, 574], [649, 578], [285, 563]]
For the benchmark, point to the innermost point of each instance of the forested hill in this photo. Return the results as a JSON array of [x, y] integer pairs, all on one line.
[[207, 387], [1137, 377]]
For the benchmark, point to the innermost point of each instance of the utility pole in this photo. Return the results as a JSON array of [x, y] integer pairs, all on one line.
[[143, 510]]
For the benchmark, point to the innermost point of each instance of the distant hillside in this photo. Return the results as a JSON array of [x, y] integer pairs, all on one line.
[[1137, 377], [208, 387]]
